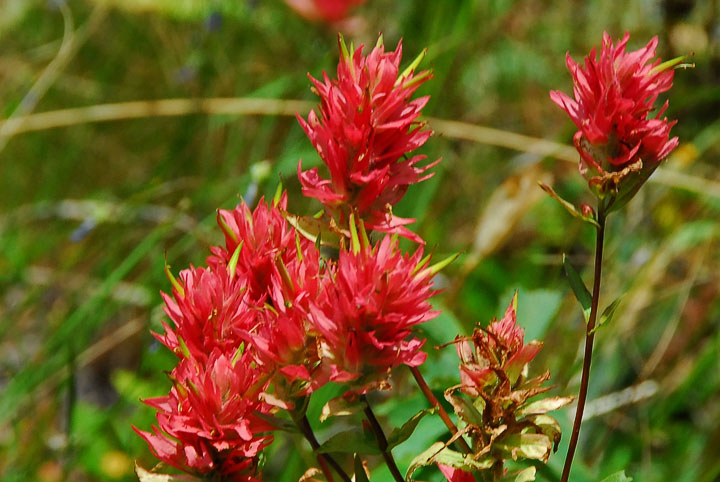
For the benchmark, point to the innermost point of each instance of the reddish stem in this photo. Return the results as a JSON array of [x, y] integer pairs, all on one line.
[[441, 411], [589, 338]]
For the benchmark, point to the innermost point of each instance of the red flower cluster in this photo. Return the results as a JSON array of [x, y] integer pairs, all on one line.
[[367, 125], [614, 99], [370, 301], [208, 309], [233, 328], [328, 11], [207, 424], [268, 320]]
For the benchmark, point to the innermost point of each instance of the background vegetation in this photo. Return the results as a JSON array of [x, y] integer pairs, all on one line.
[[89, 211]]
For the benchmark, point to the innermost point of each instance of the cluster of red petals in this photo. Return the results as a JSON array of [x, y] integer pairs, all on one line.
[[365, 313], [207, 424], [268, 243], [208, 309], [366, 126], [328, 11], [499, 347], [282, 337], [615, 95], [251, 302]]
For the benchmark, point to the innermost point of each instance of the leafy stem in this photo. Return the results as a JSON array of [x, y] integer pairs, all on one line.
[[382, 441], [589, 338]]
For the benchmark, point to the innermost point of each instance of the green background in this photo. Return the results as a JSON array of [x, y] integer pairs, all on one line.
[[90, 211]]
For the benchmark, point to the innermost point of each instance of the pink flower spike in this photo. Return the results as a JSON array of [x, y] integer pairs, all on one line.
[[366, 126], [365, 315], [207, 425], [619, 138]]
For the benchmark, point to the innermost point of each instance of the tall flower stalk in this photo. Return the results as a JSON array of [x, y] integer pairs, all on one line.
[[621, 141]]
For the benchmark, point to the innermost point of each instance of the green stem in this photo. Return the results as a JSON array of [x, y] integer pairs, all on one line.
[[589, 338], [382, 442]]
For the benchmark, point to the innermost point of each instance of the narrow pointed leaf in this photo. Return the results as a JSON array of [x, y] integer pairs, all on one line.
[[410, 68], [576, 283], [278, 194], [340, 406], [173, 281], [353, 441], [399, 435], [543, 406], [232, 265], [608, 313], [569, 207], [354, 238], [435, 268], [360, 474]]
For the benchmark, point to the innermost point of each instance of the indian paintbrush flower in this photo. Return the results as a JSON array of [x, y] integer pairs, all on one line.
[[370, 302], [265, 241], [208, 309], [366, 127], [620, 139], [207, 424]]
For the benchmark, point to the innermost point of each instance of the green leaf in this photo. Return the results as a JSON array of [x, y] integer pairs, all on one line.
[[576, 283], [549, 426], [316, 230], [438, 453], [465, 410], [147, 476], [543, 406], [526, 475], [569, 207], [340, 406], [360, 474], [277, 423], [608, 313], [399, 435], [353, 441], [617, 477], [527, 445]]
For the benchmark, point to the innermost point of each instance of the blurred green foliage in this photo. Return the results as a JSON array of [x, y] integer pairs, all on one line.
[[89, 212]]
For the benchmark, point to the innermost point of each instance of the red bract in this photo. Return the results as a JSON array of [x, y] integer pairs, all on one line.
[[455, 475], [207, 424], [281, 338], [367, 125], [498, 349], [208, 309], [365, 314], [323, 10], [614, 97], [266, 240]]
